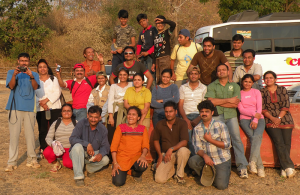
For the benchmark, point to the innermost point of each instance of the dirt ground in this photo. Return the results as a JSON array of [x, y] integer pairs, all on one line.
[[26, 180]]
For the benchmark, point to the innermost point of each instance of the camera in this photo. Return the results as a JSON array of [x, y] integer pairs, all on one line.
[[22, 68], [58, 68]]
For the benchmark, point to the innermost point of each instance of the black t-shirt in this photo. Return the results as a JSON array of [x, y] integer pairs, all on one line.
[[146, 38], [137, 67]]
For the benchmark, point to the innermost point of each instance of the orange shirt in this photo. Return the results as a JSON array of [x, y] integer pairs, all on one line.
[[129, 144], [95, 66]]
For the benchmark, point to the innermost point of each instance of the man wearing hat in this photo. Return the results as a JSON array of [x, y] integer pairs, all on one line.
[[183, 53], [211, 142], [191, 94], [80, 88]]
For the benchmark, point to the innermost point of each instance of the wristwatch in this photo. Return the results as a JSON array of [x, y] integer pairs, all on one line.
[[31, 78]]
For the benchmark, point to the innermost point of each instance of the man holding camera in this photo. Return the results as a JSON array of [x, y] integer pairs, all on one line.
[[21, 105]]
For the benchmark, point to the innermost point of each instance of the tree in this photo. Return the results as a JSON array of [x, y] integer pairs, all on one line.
[[20, 27], [263, 7]]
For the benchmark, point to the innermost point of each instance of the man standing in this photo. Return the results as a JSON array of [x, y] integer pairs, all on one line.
[[133, 67], [234, 56], [191, 94], [172, 133], [22, 83], [211, 141], [162, 46], [80, 88], [89, 145], [183, 53], [208, 60], [92, 66], [226, 97], [249, 67]]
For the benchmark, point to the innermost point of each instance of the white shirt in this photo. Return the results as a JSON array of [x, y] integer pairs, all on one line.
[[116, 94], [51, 90]]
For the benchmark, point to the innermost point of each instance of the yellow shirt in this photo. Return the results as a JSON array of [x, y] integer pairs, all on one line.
[[184, 56], [138, 99]]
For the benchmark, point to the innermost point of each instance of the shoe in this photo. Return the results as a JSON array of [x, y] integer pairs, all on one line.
[[90, 174], [252, 167], [244, 174], [290, 172], [283, 173], [40, 155], [33, 164], [10, 168], [79, 182], [56, 167], [137, 179], [261, 173], [180, 180], [153, 167]]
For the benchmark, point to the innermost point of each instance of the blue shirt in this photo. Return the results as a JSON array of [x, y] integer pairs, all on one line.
[[84, 135], [24, 93]]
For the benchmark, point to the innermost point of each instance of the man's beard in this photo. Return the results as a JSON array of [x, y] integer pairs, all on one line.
[[208, 53]]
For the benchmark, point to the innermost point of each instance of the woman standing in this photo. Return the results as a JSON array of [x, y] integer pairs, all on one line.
[[48, 99], [252, 122], [139, 96], [60, 131], [279, 121], [162, 93], [116, 109], [129, 148]]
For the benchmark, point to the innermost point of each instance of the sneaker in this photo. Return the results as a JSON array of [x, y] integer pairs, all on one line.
[[33, 164], [56, 167], [88, 174], [40, 155], [180, 180], [244, 174], [79, 182], [261, 173], [252, 167], [137, 179], [10, 168], [290, 172], [283, 173]]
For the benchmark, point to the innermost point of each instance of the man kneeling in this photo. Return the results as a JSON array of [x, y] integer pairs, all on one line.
[[89, 145], [211, 141]]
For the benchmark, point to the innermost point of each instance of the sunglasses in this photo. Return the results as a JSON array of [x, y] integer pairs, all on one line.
[[122, 68], [128, 53]]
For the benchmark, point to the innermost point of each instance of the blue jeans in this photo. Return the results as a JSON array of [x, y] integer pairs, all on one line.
[[147, 61], [78, 157], [157, 117], [255, 137], [237, 144], [222, 176], [80, 113], [191, 117]]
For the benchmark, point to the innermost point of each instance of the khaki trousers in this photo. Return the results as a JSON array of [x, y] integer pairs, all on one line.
[[166, 170], [146, 123], [161, 64]]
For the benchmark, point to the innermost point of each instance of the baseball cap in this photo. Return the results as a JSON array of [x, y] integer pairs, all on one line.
[[194, 68], [101, 73], [79, 66], [185, 32], [208, 175]]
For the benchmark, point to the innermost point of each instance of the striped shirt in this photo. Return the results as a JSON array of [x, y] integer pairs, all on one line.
[[255, 69], [62, 134], [234, 61], [219, 132], [192, 97]]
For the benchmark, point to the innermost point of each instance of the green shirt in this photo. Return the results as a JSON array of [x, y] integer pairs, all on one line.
[[218, 91]]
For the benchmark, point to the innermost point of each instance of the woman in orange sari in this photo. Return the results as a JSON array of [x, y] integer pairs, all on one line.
[[129, 147]]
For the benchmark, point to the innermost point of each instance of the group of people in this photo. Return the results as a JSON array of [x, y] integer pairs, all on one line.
[[194, 106]]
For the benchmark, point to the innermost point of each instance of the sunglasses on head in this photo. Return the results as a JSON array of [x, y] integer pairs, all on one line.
[[128, 53], [122, 68]]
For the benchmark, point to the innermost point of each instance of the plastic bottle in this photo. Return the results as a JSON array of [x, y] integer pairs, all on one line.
[[48, 114]]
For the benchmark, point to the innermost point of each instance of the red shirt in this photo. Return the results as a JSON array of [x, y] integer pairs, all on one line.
[[95, 66], [81, 92]]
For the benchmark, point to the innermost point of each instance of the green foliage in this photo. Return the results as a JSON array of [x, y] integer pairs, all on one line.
[[20, 27], [263, 7]]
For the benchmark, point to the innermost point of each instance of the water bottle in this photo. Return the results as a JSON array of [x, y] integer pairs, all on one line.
[[48, 114]]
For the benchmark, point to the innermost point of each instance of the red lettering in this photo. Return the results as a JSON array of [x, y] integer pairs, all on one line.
[[298, 61], [292, 62]]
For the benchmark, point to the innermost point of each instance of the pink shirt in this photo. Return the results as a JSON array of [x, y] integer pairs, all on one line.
[[250, 104], [81, 92]]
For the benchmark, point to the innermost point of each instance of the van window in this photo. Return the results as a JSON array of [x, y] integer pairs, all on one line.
[[284, 45], [199, 38], [297, 44], [262, 46]]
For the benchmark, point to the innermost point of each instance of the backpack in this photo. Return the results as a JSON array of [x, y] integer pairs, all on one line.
[[58, 121], [86, 79]]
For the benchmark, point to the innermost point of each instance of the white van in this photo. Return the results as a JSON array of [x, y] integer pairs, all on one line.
[[275, 39]]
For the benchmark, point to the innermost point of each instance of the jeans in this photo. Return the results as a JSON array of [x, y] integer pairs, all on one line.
[[222, 176], [136, 171], [78, 156], [117, 59], [282, 141], [157, 117], [237, 144], [80, 113], [191, 117], [255, 137], [147, 61]]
